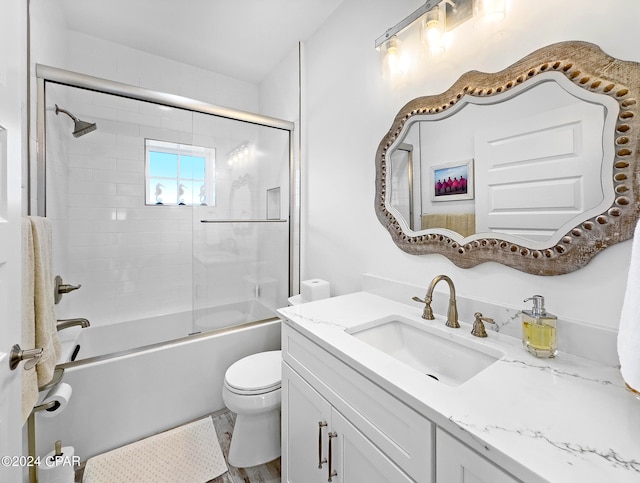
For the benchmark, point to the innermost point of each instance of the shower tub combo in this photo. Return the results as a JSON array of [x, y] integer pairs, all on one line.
[[145, 374]]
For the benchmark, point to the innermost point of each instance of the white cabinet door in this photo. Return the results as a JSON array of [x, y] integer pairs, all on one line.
[[457, 463], [305, 425], [354, 459], [319, 444]]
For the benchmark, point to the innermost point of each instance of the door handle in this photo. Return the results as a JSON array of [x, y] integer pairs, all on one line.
[[332, 472], [321, 461], [32, 356]]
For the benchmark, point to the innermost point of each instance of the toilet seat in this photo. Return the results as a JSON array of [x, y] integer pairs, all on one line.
[[255, 374]]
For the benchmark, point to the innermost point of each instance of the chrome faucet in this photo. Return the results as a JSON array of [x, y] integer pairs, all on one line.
[[452, 314], [66, 323]]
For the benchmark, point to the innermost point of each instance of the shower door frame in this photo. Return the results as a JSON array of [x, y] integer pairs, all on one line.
[[68, 78]]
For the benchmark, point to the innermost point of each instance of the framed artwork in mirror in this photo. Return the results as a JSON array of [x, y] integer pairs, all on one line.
[[452, 181]]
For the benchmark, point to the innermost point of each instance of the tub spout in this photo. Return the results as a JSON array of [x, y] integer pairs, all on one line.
[[66, 323]]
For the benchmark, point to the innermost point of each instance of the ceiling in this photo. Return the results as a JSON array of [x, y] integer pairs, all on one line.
[[244, 39]]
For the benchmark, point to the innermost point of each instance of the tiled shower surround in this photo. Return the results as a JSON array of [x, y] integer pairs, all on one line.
[[135, 260]]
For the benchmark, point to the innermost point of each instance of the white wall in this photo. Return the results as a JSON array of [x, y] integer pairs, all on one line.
[[349, 107]]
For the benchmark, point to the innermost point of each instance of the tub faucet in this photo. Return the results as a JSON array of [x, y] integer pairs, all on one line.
[[452, 314], [66, 323]]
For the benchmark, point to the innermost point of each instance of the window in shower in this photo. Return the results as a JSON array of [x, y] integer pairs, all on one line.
[[179, 174]]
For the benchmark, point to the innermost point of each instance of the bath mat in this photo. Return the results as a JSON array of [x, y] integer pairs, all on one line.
[[187, 454]]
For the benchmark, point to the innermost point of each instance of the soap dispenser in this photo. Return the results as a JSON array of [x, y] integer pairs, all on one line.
[[539, 329]]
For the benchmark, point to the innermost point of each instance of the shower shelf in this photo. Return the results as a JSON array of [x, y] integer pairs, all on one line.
[[243, 221]]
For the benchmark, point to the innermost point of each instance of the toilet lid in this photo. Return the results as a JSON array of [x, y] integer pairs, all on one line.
[[262, 371]]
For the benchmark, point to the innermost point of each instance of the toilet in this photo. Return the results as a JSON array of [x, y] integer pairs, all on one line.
[[252, 391]]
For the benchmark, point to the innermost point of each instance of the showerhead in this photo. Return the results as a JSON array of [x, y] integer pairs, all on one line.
[[80, 128]]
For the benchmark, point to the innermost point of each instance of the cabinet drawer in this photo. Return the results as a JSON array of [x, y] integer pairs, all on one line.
[[401, 433]]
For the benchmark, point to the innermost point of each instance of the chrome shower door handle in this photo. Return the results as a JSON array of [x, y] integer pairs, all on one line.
[[332, 472], [321, 461], [17, 355]]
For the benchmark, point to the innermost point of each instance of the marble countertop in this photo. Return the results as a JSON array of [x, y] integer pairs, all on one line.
[[566, 419]]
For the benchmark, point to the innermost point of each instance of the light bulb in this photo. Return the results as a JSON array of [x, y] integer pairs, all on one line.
[[394, 64], [490, 11], [433, 35]]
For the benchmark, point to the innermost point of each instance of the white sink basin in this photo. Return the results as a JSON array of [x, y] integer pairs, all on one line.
[[446, 357]]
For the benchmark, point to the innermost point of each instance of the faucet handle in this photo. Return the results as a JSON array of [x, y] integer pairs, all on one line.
[[427, 313], [478, 327], [62, 288]]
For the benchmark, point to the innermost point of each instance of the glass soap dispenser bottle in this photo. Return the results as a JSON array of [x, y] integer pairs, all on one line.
[[539, 329]]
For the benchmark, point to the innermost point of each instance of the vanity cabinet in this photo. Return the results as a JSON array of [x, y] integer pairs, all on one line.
[[372, 436], [457, 463], [321, 445], [338, 426]]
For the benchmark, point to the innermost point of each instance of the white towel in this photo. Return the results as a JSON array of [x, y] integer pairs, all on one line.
[[629, 331], [46, 331], [29, 378]]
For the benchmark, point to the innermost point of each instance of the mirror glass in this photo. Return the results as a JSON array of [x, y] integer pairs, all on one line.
[[534, 166], [529, 164]]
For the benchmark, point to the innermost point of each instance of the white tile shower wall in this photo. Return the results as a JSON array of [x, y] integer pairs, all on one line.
[[132, 260]]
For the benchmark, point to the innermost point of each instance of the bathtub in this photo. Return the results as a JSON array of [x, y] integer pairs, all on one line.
[[121, 397], [101, 340]]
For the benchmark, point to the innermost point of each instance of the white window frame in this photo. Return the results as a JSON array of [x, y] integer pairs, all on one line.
[[181, 150]]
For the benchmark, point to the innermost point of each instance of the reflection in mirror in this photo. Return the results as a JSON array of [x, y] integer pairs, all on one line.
[[537, 155], [533, 166], [402, 182]]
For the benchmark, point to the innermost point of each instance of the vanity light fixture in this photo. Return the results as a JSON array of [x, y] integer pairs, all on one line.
[[437, 18], [406, 22]]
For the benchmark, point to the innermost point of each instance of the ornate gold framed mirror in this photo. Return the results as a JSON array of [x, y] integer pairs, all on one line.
[[535, 167]]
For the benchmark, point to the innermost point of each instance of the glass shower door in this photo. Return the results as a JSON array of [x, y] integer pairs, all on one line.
[[241, 226]]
